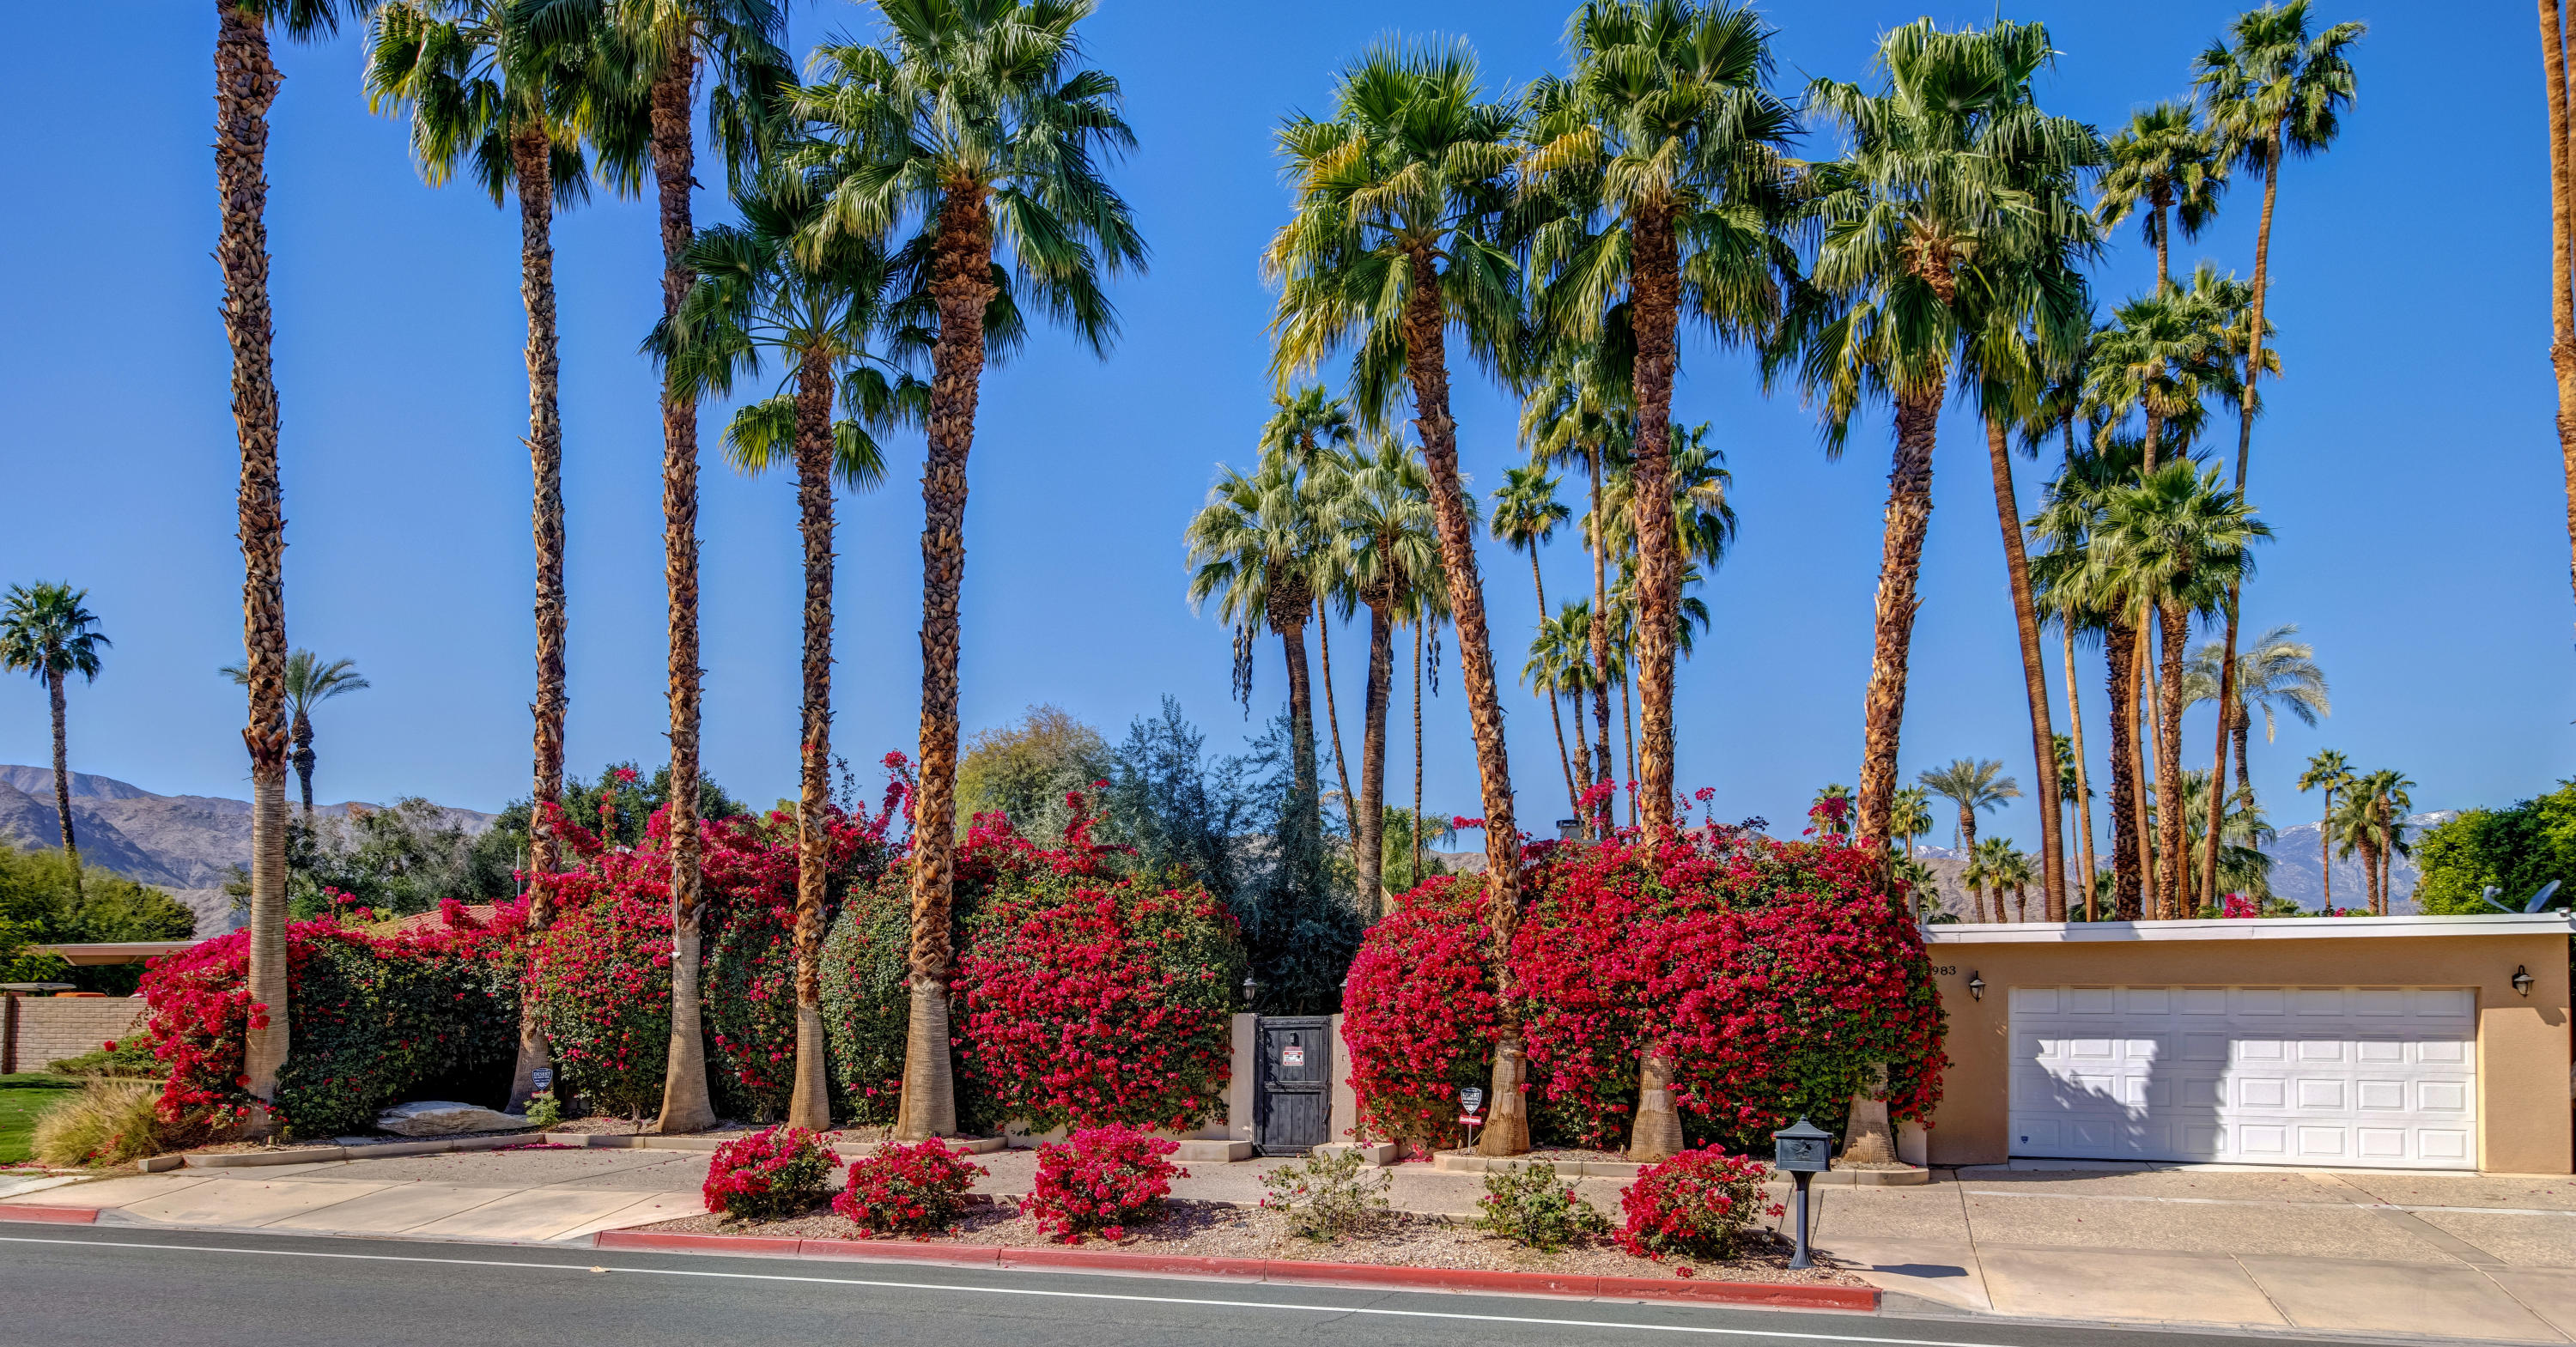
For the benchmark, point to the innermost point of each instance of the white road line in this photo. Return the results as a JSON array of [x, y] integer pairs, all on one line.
[[1026, 1291], [2254, 1202]]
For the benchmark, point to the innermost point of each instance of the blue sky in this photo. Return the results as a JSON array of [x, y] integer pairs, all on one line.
[[2407, 463]]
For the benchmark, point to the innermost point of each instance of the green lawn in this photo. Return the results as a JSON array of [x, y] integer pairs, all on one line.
[[22, 1097]]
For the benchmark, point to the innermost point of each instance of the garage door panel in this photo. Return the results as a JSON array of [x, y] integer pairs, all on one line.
[[2285, 1075]]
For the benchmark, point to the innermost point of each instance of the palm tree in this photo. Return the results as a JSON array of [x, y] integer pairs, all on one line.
[[48, 634], [1307, 426], [1573, 413], [2278, 673], [309, 683], [2178, 543], [2244, 832], [2083, 596], [1951, 179], [246, 84], [1392, 243], [2562, 257], [2006, 868], [2328, 771], [1560, 667], [1972, 784], [2373, 822], [1672, 155], [762, 290], [2271, 89], [977, 127], [1257, 548], [484, 93], [2165, 169], [1526, 514], [1912, 817], [1386, 549]]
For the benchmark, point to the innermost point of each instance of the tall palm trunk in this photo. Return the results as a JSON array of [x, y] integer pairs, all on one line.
[[1582, 759], [1415, 874], [2034, 673], [685, 1104], [2172, 819], [1333, 718], [245, 85], [810, 1105], [2141, 711], [62, 772], [1655, 287], [301, 731], [1370, 827], [1909, 516], [2127, 836], [1628, 727], [529, 156], [2238, 725], [2325, 849], [2562, 259], [1301, 712], [1603, 763], [2083, 792], [1554, 716], [961, 286], [1426, 324]]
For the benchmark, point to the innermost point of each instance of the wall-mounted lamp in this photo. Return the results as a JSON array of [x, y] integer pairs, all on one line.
[[1976, 986], [2521, 981]]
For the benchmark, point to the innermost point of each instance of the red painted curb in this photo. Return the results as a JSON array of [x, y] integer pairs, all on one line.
[[21, 1211], [1781, 1295], [903, 1251]]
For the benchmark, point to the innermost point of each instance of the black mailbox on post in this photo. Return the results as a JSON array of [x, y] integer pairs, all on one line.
[[1802, 1150]]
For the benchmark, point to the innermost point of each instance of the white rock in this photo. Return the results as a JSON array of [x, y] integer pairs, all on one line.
[[439, 1118]]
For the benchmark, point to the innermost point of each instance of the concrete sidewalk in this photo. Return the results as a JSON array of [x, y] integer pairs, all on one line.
[[2461, 1256]]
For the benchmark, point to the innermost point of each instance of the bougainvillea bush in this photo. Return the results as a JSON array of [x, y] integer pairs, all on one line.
[[1079, 996], [769, 1176], [1099, 1181], [371, 1017], [750, 867], [1696, 1205], [907, 1190], [1775, 972], [599, 976]]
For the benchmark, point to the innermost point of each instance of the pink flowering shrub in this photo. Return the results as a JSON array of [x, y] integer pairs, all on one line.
[[1099, 1180], [1775, 972], [769, 1176], [907, 1190], [1696, 1205], [598, 978], [371, 1017]]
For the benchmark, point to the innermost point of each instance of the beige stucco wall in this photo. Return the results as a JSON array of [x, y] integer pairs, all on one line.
[[2523, 1042]]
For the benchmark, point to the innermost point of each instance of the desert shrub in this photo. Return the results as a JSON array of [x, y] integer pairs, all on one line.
[[1526, 1205], [1776, 972], [371, 1017], [107, 1122], [1697, 1204], [769, 1175], [128, 1058], [1327, 1195], [907, 1190], [1100, 1180], [544, 1110]]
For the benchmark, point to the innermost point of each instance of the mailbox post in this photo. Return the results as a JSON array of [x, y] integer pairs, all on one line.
[[1802, 1150]]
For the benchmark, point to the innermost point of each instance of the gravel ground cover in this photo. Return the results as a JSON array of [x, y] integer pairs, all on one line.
[[1395, 1239]]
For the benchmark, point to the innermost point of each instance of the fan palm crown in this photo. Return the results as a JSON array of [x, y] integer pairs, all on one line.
[[1975, 785], [49, 634], [2164, 168]]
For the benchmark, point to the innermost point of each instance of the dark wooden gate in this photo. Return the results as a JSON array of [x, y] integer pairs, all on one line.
[[1293, 1096]]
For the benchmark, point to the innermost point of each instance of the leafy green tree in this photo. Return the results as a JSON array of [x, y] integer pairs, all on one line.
[[975, 127], [2514, 850], [765, 286], [310, 681], [45, 900], [1667, 155], [1023, 770], [48, 633], [1951, 180], [618, 805]]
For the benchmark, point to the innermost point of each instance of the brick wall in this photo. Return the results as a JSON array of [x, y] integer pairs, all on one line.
[[44, 1029]]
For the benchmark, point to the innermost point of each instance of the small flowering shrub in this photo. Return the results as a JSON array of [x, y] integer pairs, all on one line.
[[1696, 1205], [1326, 1196], [907, 1190], [1527, 1206], [769, 1176], [1099, 1180], [371, 1018]]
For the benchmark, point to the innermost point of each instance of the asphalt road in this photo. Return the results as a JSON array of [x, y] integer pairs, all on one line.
[[103, 1285]]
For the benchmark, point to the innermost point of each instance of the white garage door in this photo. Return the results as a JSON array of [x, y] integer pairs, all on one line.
[[2328, 1076]]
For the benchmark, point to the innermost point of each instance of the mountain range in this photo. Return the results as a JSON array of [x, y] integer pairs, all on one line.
[[186, 845], [2296, 869]]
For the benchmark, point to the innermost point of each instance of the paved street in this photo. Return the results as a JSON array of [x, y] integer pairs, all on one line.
[[120, 1286]]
